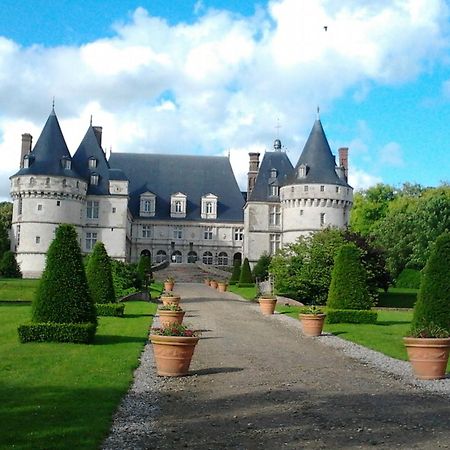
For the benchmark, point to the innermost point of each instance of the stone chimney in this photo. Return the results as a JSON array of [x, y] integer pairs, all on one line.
[[343, 160], [27, 140], [252, 171], [98, 134]]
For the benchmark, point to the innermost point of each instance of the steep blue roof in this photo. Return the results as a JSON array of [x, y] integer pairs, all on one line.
[[49, 151], [279, 162], [320, 162], [194, 176], [90, 149]]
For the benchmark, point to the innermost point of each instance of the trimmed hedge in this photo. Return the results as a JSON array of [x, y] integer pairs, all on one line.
[[236, 272], [80, 333], [397, 299], [246, 274], [409, 279], [245, 284], [110, 309], [351, 316], [99, 275]]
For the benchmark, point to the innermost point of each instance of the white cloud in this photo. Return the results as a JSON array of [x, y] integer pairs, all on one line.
[[360, 179], [391, 154], [219, 82]]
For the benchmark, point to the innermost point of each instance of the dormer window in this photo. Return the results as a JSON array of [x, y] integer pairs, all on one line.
[[66, 163], [178, 205], [302, 170], [94, 179], [274, 190], [209, 206], [26, 161], [92, 162], [147, 204], [273, 173]]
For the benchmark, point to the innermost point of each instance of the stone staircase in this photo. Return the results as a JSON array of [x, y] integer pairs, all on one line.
[[183, 273]]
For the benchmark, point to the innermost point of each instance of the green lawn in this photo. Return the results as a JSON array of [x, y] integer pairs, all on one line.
[[385, 336], [63, 396], [249, 293], [156, 289], [17, 289]]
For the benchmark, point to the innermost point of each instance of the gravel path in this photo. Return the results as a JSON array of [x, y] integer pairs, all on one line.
[[256, 382]]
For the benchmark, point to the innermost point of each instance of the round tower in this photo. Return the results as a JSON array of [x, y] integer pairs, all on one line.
[[46, 192]]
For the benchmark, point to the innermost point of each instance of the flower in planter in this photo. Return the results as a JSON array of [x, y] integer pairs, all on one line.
[[313, 309], [170, 280], [170, 307], [175, 330]]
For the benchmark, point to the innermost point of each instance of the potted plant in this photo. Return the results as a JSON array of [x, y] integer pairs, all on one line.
[[311, 320], [213, 284], [169, 283], [222, 286], [170, 315], [428, 344], [169, 298], [173, 348], [267, 303]]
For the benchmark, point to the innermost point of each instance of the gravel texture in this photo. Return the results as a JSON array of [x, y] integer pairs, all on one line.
[[256, 382]]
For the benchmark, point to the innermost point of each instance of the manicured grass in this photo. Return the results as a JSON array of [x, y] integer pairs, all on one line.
[[156, 289], [17, 289], [63, 396], [385, 336], [249, 293]]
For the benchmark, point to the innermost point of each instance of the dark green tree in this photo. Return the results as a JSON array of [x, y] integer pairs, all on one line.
[[9, 267], [63, 294], [348, 287], [432, 308], [144, 269], [261, 269], [99, 276], [4, 240], [6, 209], [246, 273], [236, 272]]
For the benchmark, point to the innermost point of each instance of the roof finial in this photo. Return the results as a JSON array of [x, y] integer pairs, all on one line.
[[53, 103], [90, 123], [318, 112]]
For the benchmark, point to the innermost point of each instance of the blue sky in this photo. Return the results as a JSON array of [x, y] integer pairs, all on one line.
[[214, 77]]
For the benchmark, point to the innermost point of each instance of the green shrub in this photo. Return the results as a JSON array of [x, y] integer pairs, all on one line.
[[261, 269], [351, 316], [236, 272], [63, 294], [245, 284], [125, 278], [4, 240], [82, 333], [409, 279], [110, 309], [144, 270], [9, 267], [348, 287], [246, 274], [432, 309], [397, 298], [99, 275]]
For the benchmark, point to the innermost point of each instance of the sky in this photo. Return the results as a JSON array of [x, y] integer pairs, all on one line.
[[226, 77]]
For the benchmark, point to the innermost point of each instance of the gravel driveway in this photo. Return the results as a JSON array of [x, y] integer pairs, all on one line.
[[256, 382]]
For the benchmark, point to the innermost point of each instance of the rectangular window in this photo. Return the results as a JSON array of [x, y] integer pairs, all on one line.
[[337, 189], [301, 212], [305, 188], [19, 207], [274, 215], [147, 206], [238, 234], [273, 190], [178, 233], [322, 188], [38, 239], [58, 203], [208, 233], [209, 208], [275, 243], [18, 234], [114, 210], [322, 219], [146, 231], [39, 207], [91, 239], [92, 209]]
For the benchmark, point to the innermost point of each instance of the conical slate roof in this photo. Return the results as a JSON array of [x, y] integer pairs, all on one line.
[[49, 151], [320, 162]]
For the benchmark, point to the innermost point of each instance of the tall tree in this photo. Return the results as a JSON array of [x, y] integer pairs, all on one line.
[[6, 209], [99, 275]]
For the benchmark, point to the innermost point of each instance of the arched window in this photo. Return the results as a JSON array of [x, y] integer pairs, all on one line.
[[192, 257], [146, 252], [237, 257], [177, 257], [207, 258], [32, 181], [222, 260], [161, 256]]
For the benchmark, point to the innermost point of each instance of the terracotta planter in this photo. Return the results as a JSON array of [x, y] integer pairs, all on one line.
[[168, 318], [213, 284], [168, 285], [267, 305], [170, 300], [222, 287], [428, 356], [173, 354], [312, 324]]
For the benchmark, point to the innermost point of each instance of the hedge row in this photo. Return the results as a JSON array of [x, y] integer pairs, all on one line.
[[110, 309], [400, 299], [245, 285], [351, 316], [80, 333]]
